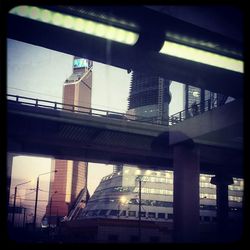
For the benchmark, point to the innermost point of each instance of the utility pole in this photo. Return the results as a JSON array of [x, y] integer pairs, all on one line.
[[50, 206], [14, 207], [37, 187], [24, 216], [139, 225]]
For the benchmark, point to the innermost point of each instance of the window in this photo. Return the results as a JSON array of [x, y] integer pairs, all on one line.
[[114, 212], [123, 213], [161, 215], [170, 216], [95, 212], [151, 215], [103, 212], [132, 213], [143, 214], [89, 213]]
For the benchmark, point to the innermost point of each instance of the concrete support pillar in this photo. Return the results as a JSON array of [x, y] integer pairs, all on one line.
[[222, 182], [9, 162], [186, 205]]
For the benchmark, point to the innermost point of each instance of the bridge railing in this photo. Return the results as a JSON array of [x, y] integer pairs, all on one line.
[[194, 110], [75, 108]]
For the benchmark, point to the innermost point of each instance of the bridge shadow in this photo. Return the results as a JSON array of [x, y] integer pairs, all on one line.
[[163, 142]]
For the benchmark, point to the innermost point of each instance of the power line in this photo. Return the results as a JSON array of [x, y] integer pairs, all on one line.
[[40, 200], [67, 99], [23, 195]]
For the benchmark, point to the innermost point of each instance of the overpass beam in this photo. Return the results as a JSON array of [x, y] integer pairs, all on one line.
[[222, 181], [186, 193]]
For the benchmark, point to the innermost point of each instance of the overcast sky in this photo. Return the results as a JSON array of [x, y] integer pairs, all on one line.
[[40, 73]]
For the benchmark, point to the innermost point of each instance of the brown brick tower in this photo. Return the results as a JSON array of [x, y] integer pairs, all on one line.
[[71, 177]]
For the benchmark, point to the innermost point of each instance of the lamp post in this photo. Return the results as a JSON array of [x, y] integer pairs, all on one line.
[[24, 217], [50, 205], [14, 206], [37, 188], [139, 215]]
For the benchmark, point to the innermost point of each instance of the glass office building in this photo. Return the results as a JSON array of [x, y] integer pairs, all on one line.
[[117, 196]]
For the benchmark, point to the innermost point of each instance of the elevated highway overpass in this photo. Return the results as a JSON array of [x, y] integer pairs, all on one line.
[[42, 129], [210, 142]]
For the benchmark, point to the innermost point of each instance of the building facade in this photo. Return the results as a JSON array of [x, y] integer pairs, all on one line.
[[117, 198], [71, 177], [149, 97]]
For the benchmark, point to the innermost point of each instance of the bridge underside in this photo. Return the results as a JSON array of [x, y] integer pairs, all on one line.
[[66, 135]]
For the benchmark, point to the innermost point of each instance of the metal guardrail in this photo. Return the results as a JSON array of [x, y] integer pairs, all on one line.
[[76, 109], [194, 110], [173, 119]]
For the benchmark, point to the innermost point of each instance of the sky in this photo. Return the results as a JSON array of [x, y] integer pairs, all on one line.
[[37, 72]]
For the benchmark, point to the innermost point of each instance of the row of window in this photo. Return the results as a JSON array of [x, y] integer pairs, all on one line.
[[133, 171], [145, 190], [154, 203], [113, 189], [213, 197], [153, 215], [235, 198], [207, 196], [235, 188], [207, 185], [157, 179], [107, 177], [204, 181], [106, 212], [238, 181]]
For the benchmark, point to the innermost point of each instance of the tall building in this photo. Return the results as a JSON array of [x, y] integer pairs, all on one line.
[[70, 180], [149, 96], [117, 198]]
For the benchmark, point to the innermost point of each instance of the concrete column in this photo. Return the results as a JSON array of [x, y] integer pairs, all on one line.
[[222, 182], [9, 162], [186, 205]]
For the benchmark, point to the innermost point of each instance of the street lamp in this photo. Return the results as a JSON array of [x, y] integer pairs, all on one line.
[[139, 178], [37, 188], [14, 206], [50, 205], [121, 201]]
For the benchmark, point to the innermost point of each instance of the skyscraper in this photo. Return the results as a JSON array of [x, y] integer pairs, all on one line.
[[149, 96], [70, 181]]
